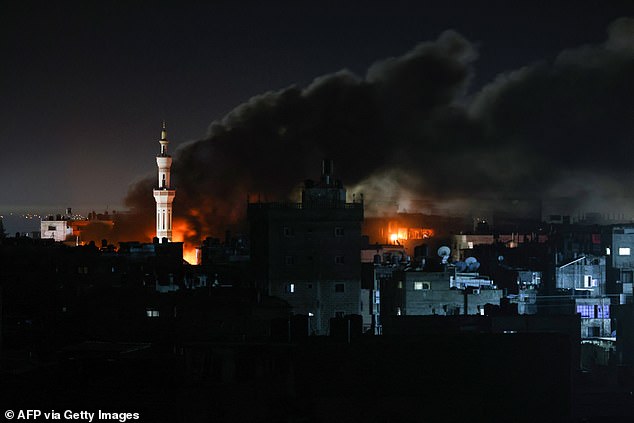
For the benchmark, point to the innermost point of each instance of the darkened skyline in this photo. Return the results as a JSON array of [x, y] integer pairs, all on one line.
[[85, 87]]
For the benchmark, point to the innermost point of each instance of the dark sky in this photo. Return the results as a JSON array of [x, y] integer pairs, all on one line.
[[84, 87]]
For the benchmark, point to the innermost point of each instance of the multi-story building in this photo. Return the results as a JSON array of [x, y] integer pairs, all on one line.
[[308, 253], [619, 247], [56, 227], [437, 293]]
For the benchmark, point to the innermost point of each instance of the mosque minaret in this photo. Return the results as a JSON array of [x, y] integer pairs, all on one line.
[[164, 194]]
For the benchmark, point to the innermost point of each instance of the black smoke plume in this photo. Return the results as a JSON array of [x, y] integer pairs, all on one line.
[[410, 130]]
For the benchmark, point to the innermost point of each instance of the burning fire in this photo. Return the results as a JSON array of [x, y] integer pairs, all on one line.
[[183, 232], [396, 235]]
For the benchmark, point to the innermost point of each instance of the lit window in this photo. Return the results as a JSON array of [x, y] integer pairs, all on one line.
[[470, 245], [290, 288], [587, 281], [624, 251], [418, 286], [586, 311], [151, 312], [603, 312], [607, 251]]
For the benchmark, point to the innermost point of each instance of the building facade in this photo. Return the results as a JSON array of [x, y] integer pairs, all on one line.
[[308, 253], [417, 293]]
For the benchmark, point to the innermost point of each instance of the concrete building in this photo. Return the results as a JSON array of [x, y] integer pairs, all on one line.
[[437, 293], [56, 227], [163, 193], [308, 253], [619, 247], [586, 273], [63, 227]]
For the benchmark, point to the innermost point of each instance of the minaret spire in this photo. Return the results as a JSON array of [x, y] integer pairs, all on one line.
[[163, 141], [164, 194]]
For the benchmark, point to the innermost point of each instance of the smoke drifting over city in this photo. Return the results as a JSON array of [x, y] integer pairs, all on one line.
[[411, 129]]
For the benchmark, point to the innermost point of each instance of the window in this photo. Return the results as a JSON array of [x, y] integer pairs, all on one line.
[[51, 228], [338, 231], [152, 312], [418, 286], [470, 245], [603, 311], [607, 251], [338, 259], [290, 288], [586, 311], [340, 314], [288, 232], [624, 251], [587, 281], [289, 260], [626, 276], [339, 287]]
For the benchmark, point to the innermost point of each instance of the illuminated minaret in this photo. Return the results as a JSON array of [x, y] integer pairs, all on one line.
[[164, 194]]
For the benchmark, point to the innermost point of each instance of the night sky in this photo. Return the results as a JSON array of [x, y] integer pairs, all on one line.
[[85, 87]]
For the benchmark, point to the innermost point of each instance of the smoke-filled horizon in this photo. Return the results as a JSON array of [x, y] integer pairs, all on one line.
[[410, 130]]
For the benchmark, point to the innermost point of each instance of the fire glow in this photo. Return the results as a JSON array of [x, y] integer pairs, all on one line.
[[183, 232], [396, 235]]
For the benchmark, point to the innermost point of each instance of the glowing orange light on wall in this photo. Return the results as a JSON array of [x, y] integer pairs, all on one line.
[[181, 232], [404, 234]]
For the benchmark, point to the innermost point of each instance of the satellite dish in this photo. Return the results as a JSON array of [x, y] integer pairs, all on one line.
[[500, 259], [461, 266], [444, 252], [472, 264], [473, 267]]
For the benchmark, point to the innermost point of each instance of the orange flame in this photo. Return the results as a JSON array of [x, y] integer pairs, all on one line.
[[183, 232], [402, 234]]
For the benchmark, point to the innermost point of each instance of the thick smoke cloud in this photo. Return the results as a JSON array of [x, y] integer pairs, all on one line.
[[409, 129], [568, 122]]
